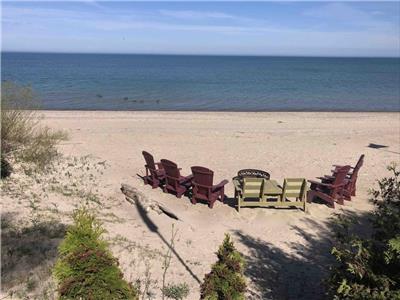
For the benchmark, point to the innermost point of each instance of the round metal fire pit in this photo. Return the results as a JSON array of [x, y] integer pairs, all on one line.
[[254, 173]]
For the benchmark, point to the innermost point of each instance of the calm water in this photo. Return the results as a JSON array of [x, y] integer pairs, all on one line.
[[161, 82]]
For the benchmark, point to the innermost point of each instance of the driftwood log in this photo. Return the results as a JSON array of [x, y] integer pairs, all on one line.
[[134, 196]]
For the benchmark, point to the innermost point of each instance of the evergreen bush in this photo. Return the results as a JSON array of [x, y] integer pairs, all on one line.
[[86, 268], [226, 280]]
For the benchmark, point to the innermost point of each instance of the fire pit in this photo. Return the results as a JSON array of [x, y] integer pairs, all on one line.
[[253, 173]]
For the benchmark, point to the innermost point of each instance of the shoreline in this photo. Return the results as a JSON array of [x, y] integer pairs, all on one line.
[[212, 111]]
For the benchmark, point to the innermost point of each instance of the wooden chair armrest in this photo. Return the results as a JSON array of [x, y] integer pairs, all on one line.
[[326, 177], [185, 179], [331, 186], [237, 186], [219, 185], [320, 183], [339, 166]]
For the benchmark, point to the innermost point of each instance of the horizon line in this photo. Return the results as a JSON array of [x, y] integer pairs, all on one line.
[[199, 54]]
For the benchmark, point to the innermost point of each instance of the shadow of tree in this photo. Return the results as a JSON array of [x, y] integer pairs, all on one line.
[[298, 273], [28, 253], [154, 228]]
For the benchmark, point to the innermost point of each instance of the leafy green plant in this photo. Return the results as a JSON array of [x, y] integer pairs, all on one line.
[[369, 267], [226, 280], [22, 136], [86, 268], [176, 291]]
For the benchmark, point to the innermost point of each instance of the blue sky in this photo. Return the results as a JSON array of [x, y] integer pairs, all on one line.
[[237, 28]]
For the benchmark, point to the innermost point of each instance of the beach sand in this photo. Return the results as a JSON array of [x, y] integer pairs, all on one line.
[[286, 250]]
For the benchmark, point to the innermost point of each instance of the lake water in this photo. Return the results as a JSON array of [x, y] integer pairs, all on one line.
[[206, 83]]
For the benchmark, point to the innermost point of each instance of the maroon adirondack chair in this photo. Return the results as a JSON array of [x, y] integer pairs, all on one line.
[[155, 173], [174, 182], [203, 188], [330, 192], [351, 178]]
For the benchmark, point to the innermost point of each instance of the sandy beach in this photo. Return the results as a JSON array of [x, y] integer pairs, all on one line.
[[286, 250]]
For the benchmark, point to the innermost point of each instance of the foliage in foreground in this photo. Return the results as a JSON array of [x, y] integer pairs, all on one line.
[[5, 167], [176, 291], [22, 136], [226, 280], [369, 268], [86, 268]]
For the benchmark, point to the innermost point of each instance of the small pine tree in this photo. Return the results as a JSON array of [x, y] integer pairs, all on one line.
[[86, 268], [226, 280]]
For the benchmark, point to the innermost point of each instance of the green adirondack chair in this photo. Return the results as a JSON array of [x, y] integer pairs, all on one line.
[[294, 193], [262, 192], [252, 190]]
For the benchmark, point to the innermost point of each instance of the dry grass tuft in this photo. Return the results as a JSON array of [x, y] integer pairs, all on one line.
[[22, 136]]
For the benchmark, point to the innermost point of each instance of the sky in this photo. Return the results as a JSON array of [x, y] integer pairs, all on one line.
[[221, 28]]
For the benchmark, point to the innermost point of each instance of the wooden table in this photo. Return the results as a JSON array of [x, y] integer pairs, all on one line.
[[272, 189]]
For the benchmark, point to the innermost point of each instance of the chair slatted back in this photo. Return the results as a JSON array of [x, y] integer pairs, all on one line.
[[294, 187], [149, 160], [357, 167], [253, 187], [202, 180], [151, 166], [341, 174], [172, 173], [340, 177]]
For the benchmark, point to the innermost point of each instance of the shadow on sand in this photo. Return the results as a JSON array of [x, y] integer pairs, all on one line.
[[298, 273], [153, 228], [28, 253]]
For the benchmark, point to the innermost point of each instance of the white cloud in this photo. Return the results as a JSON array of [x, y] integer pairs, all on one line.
[[190, 14], [346, 14], [57, 28]]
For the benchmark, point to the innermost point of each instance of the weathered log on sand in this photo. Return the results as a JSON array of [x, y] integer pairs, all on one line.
[[134, 196]]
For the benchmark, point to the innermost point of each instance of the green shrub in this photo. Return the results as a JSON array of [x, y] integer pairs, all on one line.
[[176, 291], [369, 267], [18, 118], [86, 268], [226, 280], [41, 150], [5, 167], [21, 133]]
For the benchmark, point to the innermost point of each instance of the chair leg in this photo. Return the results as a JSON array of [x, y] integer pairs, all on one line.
[[211, 204], [331, 204], [193, 200], [310, 196], [222, 194], [340, 199], [155, 184]]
